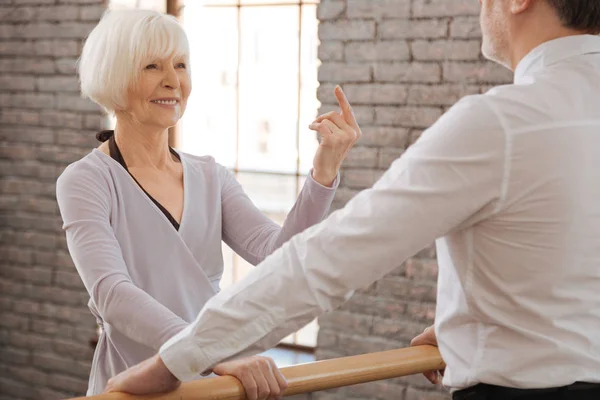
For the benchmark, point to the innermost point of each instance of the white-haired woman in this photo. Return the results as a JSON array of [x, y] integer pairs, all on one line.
[[144, 223]]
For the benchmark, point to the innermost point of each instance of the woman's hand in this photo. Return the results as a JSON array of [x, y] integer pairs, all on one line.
[[339, 132], [259, 375]]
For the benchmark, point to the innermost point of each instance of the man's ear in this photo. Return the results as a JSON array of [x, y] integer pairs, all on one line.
[[520, 6]]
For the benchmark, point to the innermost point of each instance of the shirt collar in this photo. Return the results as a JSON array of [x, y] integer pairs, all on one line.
[[554, 51]]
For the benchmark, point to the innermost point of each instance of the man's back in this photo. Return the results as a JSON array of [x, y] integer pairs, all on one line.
[[526, 311]]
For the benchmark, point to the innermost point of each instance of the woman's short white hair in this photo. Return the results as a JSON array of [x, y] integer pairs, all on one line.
[[120, 46]]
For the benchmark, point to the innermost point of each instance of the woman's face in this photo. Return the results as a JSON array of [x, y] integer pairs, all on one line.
[[160, 96]]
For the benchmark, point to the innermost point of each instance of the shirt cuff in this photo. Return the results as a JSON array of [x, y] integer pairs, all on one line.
[[184, 358], [333, 187]]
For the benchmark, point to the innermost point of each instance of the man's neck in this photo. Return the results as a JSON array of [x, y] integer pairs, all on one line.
[[531, 41]]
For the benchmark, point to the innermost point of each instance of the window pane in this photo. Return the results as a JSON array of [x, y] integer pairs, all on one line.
[[209, 124], [301, 182], [156, 5], [273, 194], [286, 357], [309, 83], [269, 88], [307, 336], [255, 2], [252, 2], [252, 124], [216, 2]]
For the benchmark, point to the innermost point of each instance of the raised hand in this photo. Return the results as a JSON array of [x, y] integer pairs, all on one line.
[[339, 131]]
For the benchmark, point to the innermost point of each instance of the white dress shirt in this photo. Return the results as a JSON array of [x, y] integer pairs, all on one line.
[[509, 184]]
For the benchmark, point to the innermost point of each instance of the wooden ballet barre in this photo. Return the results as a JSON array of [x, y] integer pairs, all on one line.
[[310, 377]]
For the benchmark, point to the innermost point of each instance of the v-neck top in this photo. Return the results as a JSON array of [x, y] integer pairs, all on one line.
[[146, 280], [115, 153]]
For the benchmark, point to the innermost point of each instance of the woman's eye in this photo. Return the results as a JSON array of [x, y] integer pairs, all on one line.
[[151, 66], [181, 65]]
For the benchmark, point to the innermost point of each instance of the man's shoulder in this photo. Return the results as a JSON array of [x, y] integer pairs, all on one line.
[[473, 112], [469, 125], [527, 106], [502, 96]]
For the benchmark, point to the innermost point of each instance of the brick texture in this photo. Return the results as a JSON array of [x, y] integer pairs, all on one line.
[[404, 63], [45, 326]]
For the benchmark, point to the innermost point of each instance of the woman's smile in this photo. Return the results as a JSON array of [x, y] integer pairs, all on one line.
[[166, 102]]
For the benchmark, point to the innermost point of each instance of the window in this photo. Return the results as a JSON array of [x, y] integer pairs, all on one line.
[[156, 5], [254, 71]]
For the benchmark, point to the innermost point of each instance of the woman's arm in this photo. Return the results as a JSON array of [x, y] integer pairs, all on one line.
[[83, 199], [254, 236], [251, 234]]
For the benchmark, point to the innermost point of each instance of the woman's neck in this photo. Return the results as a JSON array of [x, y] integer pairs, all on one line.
[[143, 146]]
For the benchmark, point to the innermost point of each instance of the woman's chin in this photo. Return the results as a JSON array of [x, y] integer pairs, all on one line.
[[166, 123]]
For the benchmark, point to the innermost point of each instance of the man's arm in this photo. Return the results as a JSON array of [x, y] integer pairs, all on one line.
[[452, 177]]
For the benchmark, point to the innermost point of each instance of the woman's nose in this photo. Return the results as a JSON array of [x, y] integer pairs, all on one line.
[[171, 80]]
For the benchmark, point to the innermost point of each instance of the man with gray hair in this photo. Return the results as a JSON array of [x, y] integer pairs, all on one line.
[[507, 182]]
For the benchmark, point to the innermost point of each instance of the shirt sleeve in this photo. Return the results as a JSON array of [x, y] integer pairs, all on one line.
[[452, 177], [84, 201], [251, 234]]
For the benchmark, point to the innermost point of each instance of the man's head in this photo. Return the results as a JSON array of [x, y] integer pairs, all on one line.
[[512, 28]]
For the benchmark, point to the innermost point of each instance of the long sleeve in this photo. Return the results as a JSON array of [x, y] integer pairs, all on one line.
[[83, 197], [251, 234], [454, 176]]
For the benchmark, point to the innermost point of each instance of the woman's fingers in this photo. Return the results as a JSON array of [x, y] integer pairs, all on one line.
[[336, 118], [345, 120], [347, 112], [261, 377], [281, 380], [269, 387], [325, 128], [339, 132], [275, 388], [337, 124], [249, 383]]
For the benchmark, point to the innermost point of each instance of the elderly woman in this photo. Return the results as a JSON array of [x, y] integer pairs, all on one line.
[[144, 222]]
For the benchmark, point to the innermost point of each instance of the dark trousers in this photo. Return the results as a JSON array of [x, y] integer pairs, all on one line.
[[576, 391]]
